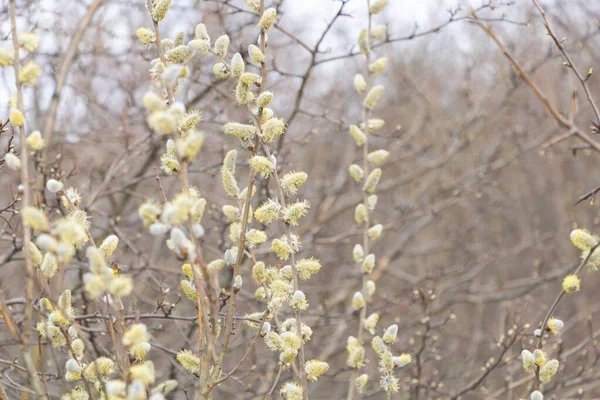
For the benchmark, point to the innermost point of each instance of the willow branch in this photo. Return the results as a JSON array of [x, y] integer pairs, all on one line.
[[24, 340]]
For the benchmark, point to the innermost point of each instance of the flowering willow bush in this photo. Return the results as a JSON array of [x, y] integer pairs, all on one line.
[[277, 286], [369, 176], [128, 375], [247, 244], [538, 362]]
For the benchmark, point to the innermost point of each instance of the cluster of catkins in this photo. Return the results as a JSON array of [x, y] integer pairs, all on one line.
[[173, 217], [276, 284], [387, 362], [536, 362], [56, 242], [369, 175], [181, 216], [28, 76], [57, 326], [57, 239]]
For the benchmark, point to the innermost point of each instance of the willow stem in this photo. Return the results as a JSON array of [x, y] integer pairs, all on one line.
[[24, 345]]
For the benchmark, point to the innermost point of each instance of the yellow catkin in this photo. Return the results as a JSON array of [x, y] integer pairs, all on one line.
[[373, 96], [30, 73], [267, 19], [583, 239], [16, 117], [571, 284], [160, 9], [378, 6], [145, 36]]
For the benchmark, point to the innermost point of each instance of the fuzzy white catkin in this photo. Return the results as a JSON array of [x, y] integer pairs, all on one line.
[[158, 229], [46, 242], [229, 183], [360, 213], [220, 70], [373, 96], [537, 395], [237, 65], [72, 332], [180, 242], [198, 231], [12, 161], [363, 41], [378, 6], [390, 334], [374, 232], [402, 360], [54, 186], [378, 156], [256, 56], [266, 327], [78, 348], [73, 366], [360, 84], [136, 390], [160, 9], [222, 45], [356, 172], [177, 110], [264, 99], [201, 32], [178, 237], [298, 295], [358, 253], [528, 360], [372, 180], [115, 387], [559, 324], [229, 257], [370, 288], [378, 31], [377, 66], [267, 19], [36, 254], [368, 264], [359, 137], [372, 202], [374, 124], [169, 76], [109, 245], [229, 161], [237, 283], [358, 301]]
